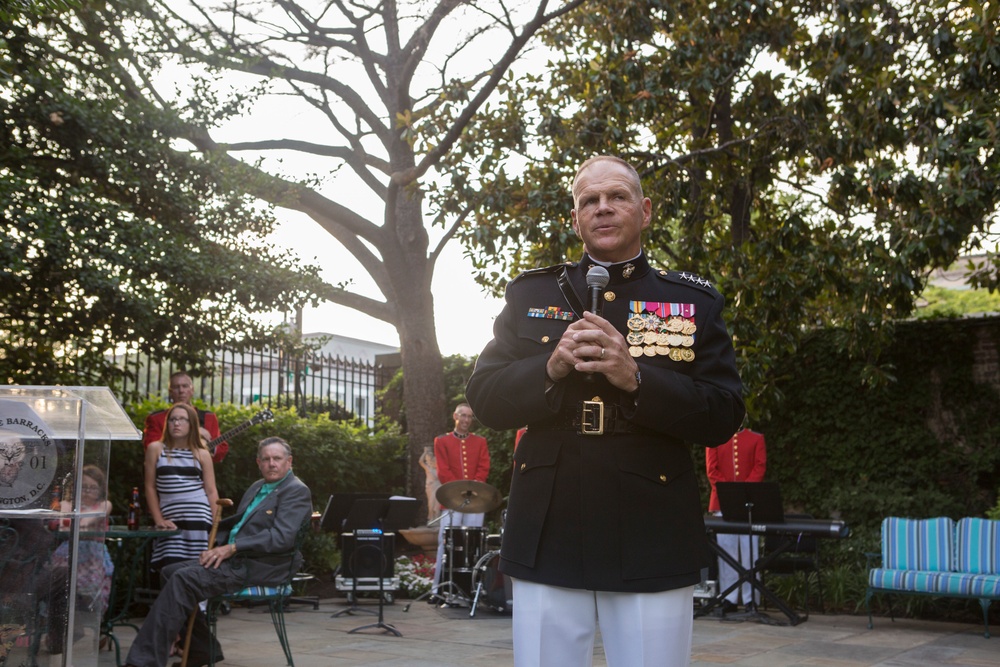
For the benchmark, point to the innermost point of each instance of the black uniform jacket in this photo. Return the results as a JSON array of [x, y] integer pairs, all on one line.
[[620, 511], [265, 545]]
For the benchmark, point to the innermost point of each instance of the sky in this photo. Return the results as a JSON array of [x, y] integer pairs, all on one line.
[[464, 314]]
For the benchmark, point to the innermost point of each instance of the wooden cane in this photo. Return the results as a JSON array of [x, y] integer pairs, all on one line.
[[216, 516]]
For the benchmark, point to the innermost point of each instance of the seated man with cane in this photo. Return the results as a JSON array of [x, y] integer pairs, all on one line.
[[253, 550]]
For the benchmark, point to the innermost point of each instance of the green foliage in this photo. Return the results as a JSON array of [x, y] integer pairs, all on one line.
[[110, 236], [11, 9], [949, 303], [814, 161], [994, 512]]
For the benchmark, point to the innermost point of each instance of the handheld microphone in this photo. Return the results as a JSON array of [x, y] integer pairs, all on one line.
[[597, 279]]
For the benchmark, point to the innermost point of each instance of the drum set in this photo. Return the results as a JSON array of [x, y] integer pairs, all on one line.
[[471, 574]]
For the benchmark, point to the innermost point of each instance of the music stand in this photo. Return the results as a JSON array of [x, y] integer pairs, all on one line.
[[750, 502], [345, 513], [401, 510], [754, 504], [339, 506]]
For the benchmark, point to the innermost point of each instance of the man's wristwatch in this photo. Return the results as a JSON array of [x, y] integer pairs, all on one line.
[[638, 383]]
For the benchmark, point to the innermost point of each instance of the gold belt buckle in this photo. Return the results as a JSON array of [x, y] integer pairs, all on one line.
[[592, 417]]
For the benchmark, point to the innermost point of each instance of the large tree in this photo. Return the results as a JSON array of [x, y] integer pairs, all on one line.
[[815, 159], [379, 92], [112, 239]]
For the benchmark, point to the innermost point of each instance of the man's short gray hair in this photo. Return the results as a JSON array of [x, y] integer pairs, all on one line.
[[273, 440], [633, 174]]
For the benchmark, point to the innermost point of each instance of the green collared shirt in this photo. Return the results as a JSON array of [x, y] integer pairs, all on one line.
[[262, 492]]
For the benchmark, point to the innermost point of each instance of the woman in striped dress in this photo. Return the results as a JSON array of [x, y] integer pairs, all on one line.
[[180, 488]]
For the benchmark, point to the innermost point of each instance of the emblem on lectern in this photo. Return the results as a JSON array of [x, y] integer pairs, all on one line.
[[28, 456]]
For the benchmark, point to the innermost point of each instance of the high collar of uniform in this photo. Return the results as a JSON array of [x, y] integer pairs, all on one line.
[[622, 272]]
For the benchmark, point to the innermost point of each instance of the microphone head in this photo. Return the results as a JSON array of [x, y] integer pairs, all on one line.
[[598, 276]]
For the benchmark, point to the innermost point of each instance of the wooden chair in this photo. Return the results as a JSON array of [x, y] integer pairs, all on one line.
[[275, 597]]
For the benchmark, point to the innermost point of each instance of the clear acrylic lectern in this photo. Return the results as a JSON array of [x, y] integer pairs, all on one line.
[[54, 568]]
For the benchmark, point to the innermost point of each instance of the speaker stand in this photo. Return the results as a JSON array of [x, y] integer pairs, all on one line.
[[380, 624], [352, 598]]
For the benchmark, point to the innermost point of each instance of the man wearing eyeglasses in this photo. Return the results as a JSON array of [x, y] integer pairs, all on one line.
[[182, 391]]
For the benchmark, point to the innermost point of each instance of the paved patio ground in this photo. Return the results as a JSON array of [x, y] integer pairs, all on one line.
[[435, 637]]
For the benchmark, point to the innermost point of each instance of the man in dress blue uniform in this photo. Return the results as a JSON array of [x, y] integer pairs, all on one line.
[[604, 519]]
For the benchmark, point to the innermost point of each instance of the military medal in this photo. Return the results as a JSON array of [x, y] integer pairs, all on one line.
[[662, 329]]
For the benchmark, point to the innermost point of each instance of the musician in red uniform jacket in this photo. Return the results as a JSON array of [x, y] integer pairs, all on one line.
[[460, 455], [742, 459], [182, 391]]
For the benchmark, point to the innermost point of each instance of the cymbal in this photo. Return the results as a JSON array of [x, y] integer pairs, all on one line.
[[468, 496]]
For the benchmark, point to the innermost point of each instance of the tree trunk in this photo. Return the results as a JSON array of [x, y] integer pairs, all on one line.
[[410, 272], [423, 386]]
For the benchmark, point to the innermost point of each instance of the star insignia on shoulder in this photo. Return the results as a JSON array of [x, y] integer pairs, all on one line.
[[697, 280]]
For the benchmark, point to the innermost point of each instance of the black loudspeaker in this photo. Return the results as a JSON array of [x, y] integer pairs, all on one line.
[[363, 559]]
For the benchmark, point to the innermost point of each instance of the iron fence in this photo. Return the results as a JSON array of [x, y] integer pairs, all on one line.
[[312, 382]]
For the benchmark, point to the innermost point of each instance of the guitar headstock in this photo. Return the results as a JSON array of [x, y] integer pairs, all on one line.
[[264, 415]]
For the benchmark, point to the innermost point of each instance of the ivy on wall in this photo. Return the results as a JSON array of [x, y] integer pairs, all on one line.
[[925, 445]]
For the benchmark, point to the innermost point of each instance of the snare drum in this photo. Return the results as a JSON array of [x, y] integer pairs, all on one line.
[[490, 586], [464, 546]]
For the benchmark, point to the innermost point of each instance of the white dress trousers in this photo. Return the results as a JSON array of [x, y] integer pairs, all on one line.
[[743, 550], [556, 627]]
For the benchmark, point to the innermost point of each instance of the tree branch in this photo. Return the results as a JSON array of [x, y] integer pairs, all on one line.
[[498, 72]]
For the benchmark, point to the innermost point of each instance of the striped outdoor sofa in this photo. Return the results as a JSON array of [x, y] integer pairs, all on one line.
[[939, 557]]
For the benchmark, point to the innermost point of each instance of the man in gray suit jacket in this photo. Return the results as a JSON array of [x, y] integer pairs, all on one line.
[[254, 550]]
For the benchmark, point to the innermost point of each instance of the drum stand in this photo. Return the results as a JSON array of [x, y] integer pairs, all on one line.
[[454, 595], [462, 496], [434, 594], [480, 570]]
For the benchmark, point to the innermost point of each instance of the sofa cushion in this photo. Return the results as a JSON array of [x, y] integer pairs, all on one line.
[[922, 581], [262, 591], [918, 544], [986, 586], [977, 546]]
